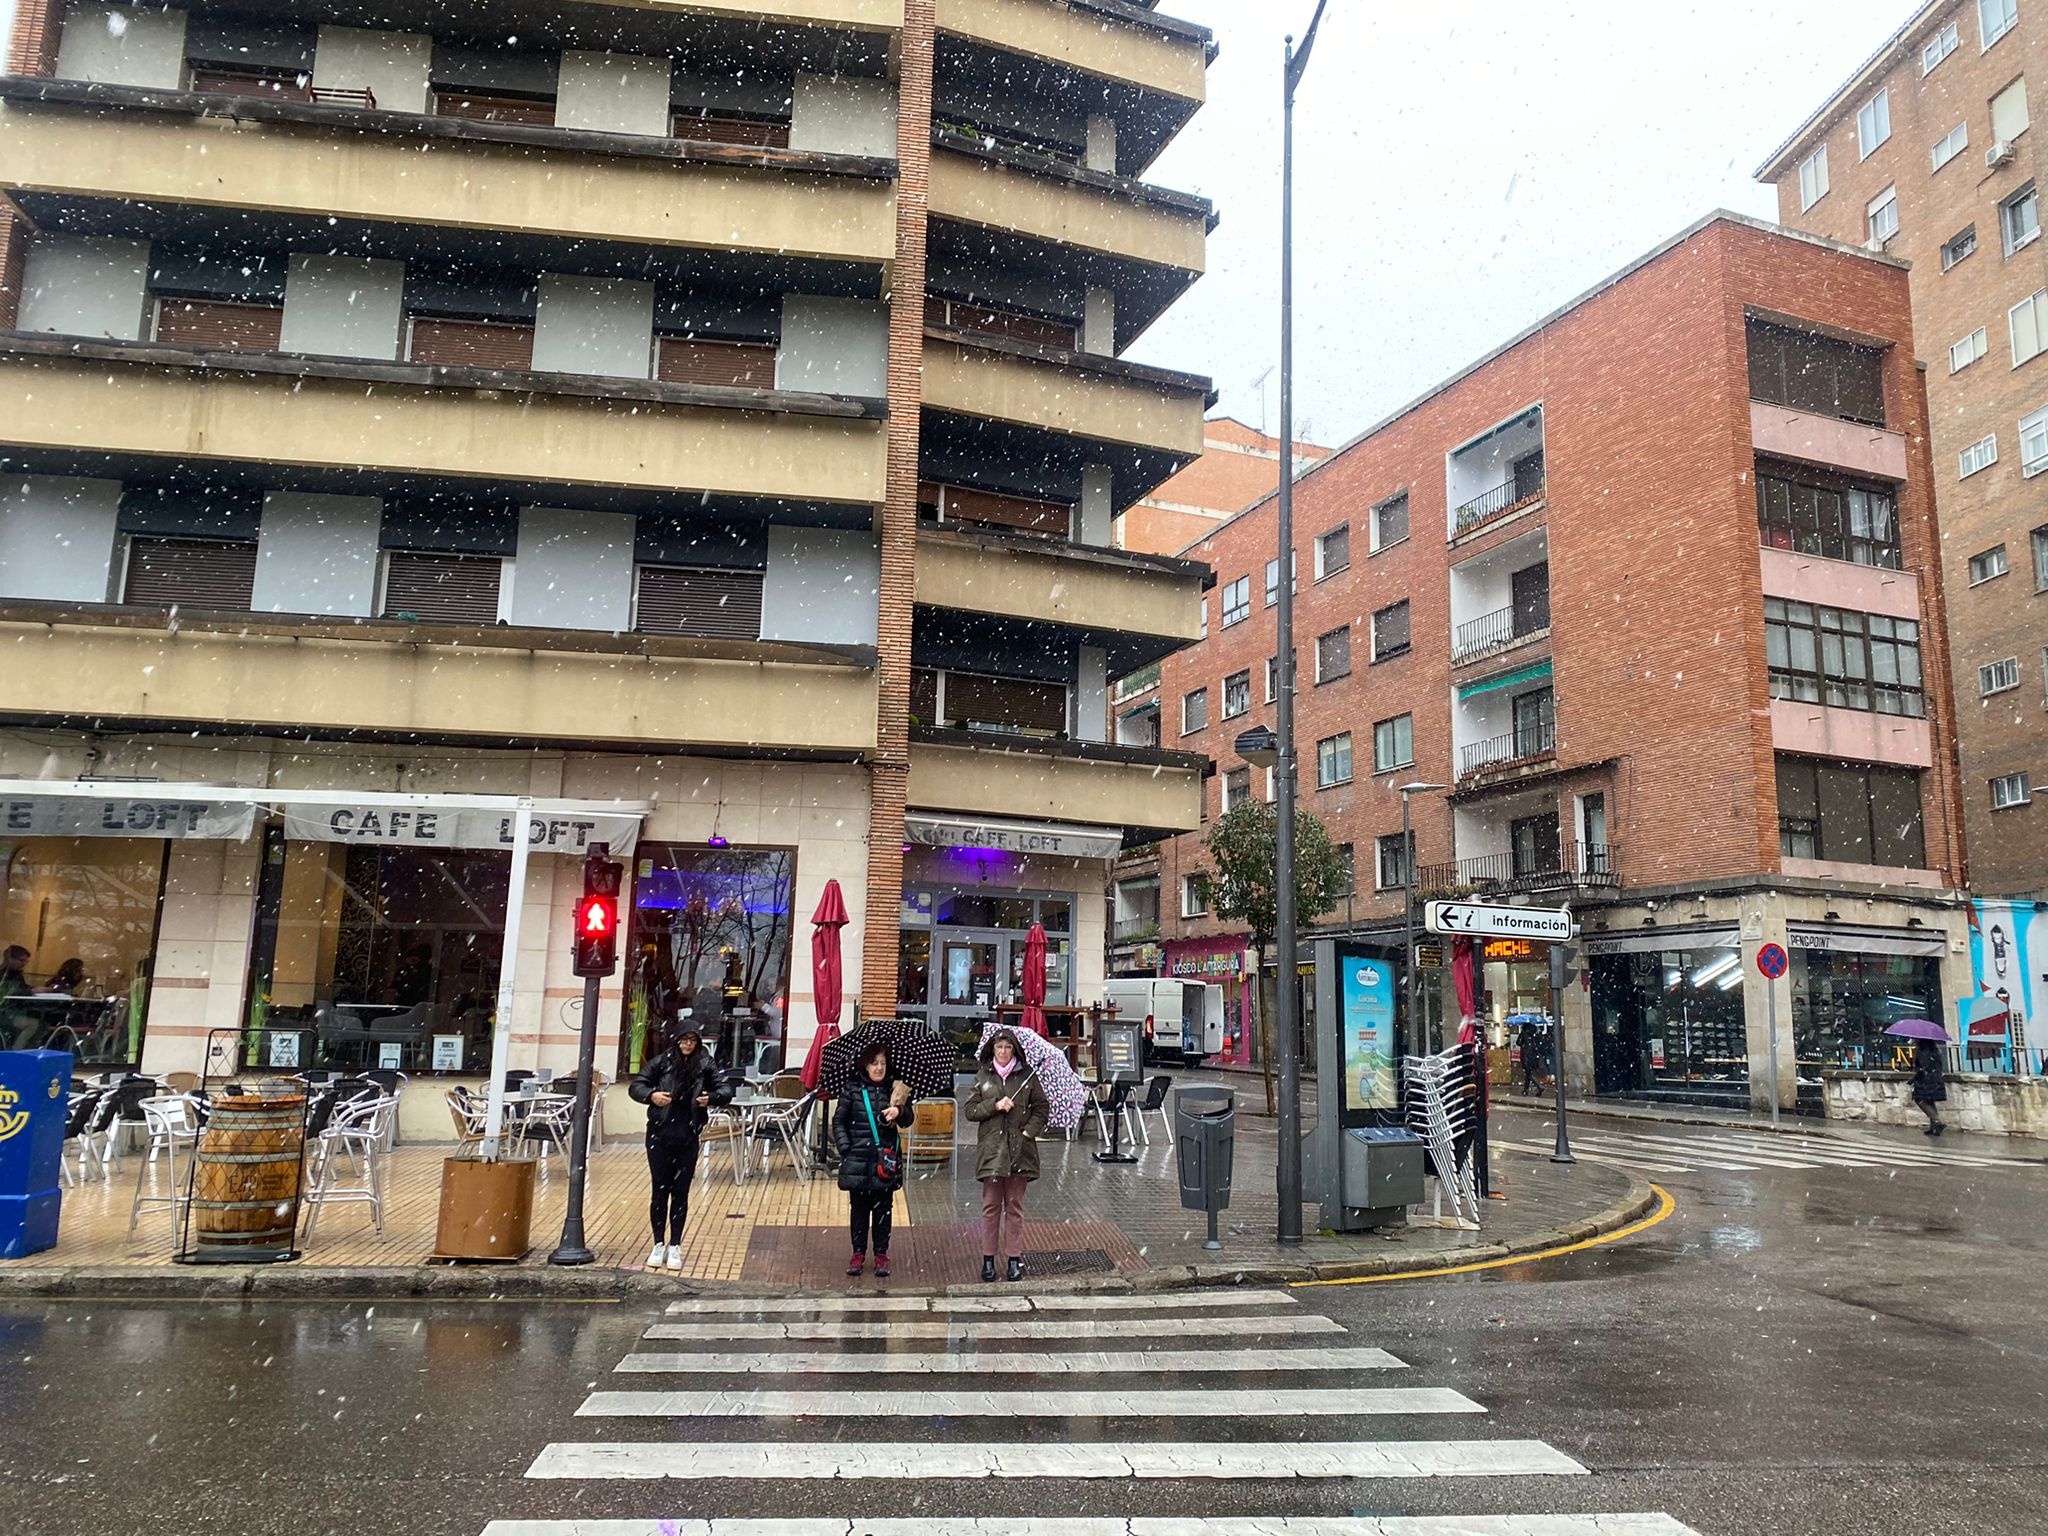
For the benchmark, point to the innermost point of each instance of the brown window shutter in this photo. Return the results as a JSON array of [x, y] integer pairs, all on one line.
[[730, 130], [229, 327], [712, 605], [472, 344], [494, 109], [1002, 322], [191, 573], [442, 589], [716, 362], [985, 509]]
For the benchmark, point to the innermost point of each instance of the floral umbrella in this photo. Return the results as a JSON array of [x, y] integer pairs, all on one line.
[[1064, 1090]]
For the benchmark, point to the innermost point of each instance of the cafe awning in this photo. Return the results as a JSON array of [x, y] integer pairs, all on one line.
[[126, 808], [1050, 839]]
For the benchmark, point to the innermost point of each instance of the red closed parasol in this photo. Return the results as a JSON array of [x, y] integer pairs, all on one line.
[[828, 978], [1034, 980]]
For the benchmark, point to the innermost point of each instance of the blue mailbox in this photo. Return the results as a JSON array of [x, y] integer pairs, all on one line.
[[34, 1089]]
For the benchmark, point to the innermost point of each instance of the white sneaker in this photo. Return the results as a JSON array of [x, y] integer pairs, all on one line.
[[675, 1257], [655, 1259]]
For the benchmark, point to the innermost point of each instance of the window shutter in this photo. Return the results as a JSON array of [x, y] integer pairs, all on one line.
[[230, 327], [472, 344], [445, 589], [711, 605], [494, 109], [191, 573], [748, 366], [2009, 111], [989, 510], [730, 130]]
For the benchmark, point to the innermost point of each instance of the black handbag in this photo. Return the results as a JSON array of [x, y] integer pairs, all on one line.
[[888, 1160]]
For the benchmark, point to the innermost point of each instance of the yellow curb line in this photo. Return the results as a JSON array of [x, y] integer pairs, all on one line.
[[1665, 1206]]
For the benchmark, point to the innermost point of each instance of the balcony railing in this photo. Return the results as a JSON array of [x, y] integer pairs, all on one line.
[[1498, 501], [1519, 745], [1135, 930], [1568, 866], [1492, 630]]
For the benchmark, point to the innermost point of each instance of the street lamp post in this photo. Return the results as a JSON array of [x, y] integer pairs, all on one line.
[[1408, 901], [1287, 1022]]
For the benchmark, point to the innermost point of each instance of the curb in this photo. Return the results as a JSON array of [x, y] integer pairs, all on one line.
[[294, 1282]]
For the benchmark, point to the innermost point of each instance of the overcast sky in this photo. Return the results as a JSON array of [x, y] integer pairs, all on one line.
[[1459, 179]]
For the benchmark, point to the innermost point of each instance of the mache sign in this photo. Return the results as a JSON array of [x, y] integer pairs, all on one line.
[[1480, 919]]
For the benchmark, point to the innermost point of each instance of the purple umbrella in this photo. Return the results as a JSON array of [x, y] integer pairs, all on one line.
[[1919, 1029]]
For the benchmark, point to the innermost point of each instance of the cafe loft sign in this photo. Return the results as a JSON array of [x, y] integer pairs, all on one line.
[[1042, 838], [137, 816], [429, 826]]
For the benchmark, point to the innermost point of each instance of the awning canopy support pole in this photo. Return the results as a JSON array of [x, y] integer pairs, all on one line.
[[508, 971]]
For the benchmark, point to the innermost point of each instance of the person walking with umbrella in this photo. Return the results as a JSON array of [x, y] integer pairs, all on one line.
[[1929, 1084], [1012, 1112], [874, 1111], [679, 1086]]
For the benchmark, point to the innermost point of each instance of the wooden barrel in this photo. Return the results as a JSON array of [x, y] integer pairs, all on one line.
[[245, 1190]]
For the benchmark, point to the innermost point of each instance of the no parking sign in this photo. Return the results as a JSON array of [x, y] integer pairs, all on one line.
[[1772, 961]]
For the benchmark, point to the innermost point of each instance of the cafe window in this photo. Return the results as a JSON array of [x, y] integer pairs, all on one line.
[[1850, 813], [78, 928], [709, 946], [383, 956]]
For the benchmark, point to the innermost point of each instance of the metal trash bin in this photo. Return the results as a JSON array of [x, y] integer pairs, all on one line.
[[1380, 1176], [1205, 1136]]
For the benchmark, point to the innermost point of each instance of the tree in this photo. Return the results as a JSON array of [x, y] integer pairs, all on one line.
[[1244, 888]]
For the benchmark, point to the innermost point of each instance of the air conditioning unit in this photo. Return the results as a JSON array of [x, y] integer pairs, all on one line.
[[1999, 154]]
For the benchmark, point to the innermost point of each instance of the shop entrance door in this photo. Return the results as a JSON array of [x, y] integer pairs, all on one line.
[[974, 969]]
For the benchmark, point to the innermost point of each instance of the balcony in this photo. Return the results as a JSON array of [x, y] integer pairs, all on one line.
[[1567, 867], [58, 141], [1056, 781], [134, 668], [1052, 582], [1530, 743], [1496, 475], [64, 397], [1499, 630]]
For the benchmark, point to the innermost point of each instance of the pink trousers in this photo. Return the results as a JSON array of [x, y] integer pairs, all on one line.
[[1002, 1206]]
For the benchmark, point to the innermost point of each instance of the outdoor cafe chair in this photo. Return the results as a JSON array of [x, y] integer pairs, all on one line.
[[724, 1126], [81, 1126], [173, 1124], [1154, 1103], [359, 1133], [785, 1125], [546, 1124], [470, 1114]]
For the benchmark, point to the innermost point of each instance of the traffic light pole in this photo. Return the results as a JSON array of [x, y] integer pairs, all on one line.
[[1560, 978], [572, 1249]]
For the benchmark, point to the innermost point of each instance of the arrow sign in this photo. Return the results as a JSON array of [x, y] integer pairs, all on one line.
[[1476, 917]]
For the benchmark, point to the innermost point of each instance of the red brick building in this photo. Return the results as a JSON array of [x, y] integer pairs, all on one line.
[[1239, 464], [1654, 590]]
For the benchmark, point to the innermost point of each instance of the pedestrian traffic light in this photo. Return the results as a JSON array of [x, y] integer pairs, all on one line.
[[597, 916], [1564, 965]]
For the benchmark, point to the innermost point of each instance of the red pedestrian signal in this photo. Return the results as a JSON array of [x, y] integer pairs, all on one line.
[[597, 918]]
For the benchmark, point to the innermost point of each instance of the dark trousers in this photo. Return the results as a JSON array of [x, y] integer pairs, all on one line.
[[671, 1165], [872, 1210]]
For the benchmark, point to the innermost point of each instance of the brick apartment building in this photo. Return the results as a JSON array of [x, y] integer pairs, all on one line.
[[1927, 152], [1239, 464], [1655, 589], [695, 426]]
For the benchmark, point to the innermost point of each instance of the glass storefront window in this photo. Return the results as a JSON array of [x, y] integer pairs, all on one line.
[[710, 944], [383, 957], [1842, 1005], [978, 948], [1670, 1021], [78, 922]]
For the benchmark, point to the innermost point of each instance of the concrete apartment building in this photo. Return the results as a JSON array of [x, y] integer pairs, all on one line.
[[1665, 616], [695, 426], [1927, 153], [1239, 464]]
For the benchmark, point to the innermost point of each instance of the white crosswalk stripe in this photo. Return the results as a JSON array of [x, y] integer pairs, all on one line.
[[1258, 1525], [1127, 1403], [1746, 1152], [1024, 1328], [965, 1423]]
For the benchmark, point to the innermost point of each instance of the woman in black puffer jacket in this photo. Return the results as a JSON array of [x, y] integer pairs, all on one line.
[[873, 1113], [679, 1085]]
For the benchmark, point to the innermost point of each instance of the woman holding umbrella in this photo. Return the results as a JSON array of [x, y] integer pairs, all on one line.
[[1012, 1111], [874, 1111], [1929, 1085]]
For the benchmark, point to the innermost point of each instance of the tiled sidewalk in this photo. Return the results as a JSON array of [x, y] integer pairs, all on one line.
[[1085, 1220]]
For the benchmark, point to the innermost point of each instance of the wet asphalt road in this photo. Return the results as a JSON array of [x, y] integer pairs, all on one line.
[[1835, 1349]]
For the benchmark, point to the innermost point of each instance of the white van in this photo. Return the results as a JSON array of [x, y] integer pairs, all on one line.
[[1187, 1016]]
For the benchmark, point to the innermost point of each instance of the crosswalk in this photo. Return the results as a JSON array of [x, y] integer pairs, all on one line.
[[1200, 1389], [1655, 1151]]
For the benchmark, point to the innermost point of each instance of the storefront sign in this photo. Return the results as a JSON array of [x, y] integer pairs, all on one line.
[[1367, 1003], [1651, 941], [82, 816], [1866, 941], [1508, 949], [1430, 957], [1197, 964], [426, 826], [1047, 839]]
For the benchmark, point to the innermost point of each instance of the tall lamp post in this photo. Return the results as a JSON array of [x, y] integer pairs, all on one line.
[[1287, 1023], [1408, 901]]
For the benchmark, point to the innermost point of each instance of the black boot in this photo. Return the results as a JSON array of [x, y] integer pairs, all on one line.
[[1016, 1270], [988, 1268]]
